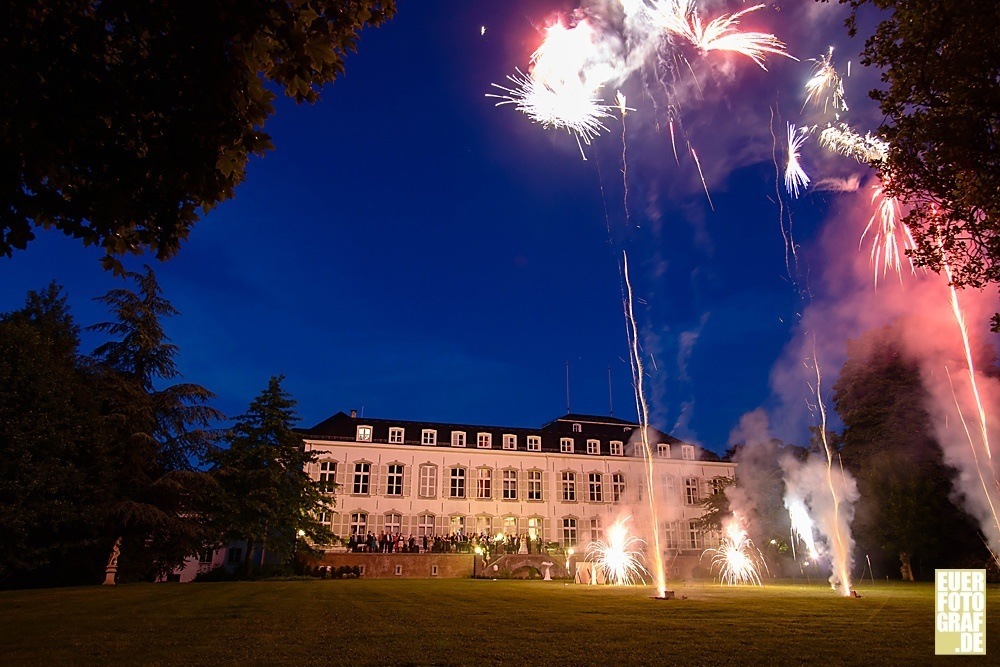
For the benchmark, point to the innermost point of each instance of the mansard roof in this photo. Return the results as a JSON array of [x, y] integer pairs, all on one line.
[[581, 428]]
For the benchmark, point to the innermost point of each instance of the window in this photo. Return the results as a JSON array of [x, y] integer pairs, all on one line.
[[458, 438], [618, 487], [569, 486], [457, 478], [534, 485], [428, 436], [458, 524], [393, 523], [663, 451], [434, 570], [577, 428], [694, 535], [425, 524], [359, 524], [569, 532], [534, 443], [364, 434], [484, 525], [593, 446], [327, 476], [484, 483], [718, 485], [691, 491], [669, 485], [205, 557], [596, 487], [670, 531], [566, 445], [428, 481], [399, 570], [687, 452], [235, 555], [535, 527], [324, 518], [484, 440], [510, 485], [510, 525], [394, 480], [595, 529], [396, 436], [362, 475], [509, 441], [617, 448]]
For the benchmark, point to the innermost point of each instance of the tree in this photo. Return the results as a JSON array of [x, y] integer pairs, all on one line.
[[158, 435], [122, 122], [266, 489], [905, 510], [52, 455], [942, 108]]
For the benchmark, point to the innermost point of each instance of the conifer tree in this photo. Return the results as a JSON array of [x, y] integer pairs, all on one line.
[[269, 498]]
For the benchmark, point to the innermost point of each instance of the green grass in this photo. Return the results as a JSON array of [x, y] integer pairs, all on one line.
[[480, 622]]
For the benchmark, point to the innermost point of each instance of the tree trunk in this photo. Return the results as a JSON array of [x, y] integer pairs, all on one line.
[[905, 570]]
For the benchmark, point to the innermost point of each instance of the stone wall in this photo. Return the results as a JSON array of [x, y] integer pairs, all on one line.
[[403, 566]]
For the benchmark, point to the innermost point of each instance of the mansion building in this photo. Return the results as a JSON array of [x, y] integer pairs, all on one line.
[[565, 482]]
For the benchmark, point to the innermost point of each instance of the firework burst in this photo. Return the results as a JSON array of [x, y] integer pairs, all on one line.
[[735, 557], [795, 175], [825, 84], [802, 527], [620, 557]]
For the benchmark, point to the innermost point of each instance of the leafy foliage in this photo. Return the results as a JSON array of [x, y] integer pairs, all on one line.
[[942, 107], [122, 122], [268, 498], [888, 445]]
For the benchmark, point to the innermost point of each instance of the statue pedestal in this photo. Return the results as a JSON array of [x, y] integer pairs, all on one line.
[[109, 576]]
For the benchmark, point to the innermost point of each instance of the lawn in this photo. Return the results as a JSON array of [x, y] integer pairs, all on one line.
[[475, 622]]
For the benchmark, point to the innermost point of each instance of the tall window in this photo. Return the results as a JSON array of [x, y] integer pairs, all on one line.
[[596, 487], [670, 489], [566, 445], [691, 491], [484, 440], [617, 449], [327, 475], [509, 441], [458, 438], [394, 480], [595, 529], [569, 532], [428, 436], [457, 487], [670, 531], [569, 486], [534, 485], [396, 436], [425, 524], [458, 524], [510, 485], [362, 475], [534, 443], [535, 527], [694, 535], [663, 450], [484, 525], [484, 483], [687, 452], [510, 525], [325, 517], [593, 446], [359, 523], [393, 522], [618, 487], [364, 434], [428, 481]]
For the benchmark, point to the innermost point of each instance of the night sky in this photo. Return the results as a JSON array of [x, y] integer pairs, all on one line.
[[411, 251]]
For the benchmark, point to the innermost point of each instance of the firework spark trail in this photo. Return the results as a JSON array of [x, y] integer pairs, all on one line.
[[825, 84], [643, 410], [885, 252], [802, 526], [618, 558], [795, 175], [975, 457], [840, 138], [701, 175], [681, 18], [620, 99], [735, 558], [783, 214], [840, 552]]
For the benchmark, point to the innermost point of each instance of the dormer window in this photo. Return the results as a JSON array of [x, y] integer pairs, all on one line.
[[509, 441], [364, 434], [458, 438], [428, 436], [534, 443], [663, 451], [687, 452], [593, 446], [617, 449], [396, 436], [577, 428], [566, 445]]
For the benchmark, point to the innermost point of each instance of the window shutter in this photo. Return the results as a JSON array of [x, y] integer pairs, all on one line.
[[378, 474], [339, 477], [496, 493], [404, 526], [441, 525], [378, 520], [547, 529], [545, 486], [407, 480], [522, 485], [522, 525]]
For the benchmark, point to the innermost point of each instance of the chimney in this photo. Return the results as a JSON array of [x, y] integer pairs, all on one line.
[[354, 414]]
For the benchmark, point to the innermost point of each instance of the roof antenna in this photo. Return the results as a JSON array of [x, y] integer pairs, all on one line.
[[567, 386], [611, 400]]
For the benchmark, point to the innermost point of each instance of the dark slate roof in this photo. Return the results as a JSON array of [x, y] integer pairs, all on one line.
[[343, 427]]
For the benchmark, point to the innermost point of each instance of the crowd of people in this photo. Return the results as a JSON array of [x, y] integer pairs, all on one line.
[[388, 542]]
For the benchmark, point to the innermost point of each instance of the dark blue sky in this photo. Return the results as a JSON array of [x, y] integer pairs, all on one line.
[[412, 251]]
